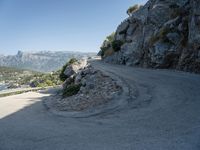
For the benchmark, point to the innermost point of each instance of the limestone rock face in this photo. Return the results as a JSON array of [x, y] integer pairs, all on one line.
[[75, 67], [161, 34]]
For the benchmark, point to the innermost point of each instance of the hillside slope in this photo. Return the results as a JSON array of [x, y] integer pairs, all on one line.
[[161, 34], [20, 78]]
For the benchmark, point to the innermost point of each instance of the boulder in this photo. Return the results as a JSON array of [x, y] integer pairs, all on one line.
[[75, 67]]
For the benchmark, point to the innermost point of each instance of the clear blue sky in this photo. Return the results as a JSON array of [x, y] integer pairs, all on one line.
[[71, 25]]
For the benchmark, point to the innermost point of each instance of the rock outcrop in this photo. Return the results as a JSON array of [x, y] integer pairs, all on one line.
[[74, 68], [84, 88], [161, 34]]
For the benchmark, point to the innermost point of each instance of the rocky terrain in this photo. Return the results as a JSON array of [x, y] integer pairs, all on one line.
[[44, 61], [160, 34], [84, 88]]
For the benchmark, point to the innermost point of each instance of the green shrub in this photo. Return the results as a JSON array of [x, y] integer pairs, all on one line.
[[132, 9], [49, 83], [71, 90], [103, 50], [72, 60], [116, 45], [113, 46], [62, 76], [35, 83], [107, 46], [111, 37]]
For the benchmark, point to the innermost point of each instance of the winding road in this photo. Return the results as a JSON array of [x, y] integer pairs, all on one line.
[[163, 113]]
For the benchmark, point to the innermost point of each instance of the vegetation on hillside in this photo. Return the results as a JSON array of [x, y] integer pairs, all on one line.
[[71, 90], [24, 78], [45, 80], [9, 73], [133, 9], [110, 45], [62, 76]]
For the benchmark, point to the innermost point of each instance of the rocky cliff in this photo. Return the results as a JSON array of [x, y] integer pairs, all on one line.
[[161, 34]]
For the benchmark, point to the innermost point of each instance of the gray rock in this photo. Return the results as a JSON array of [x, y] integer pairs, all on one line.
[[158, 52], [78, 78], [123, 27], [174, 38], [75, 67], [133, 50], [83, 82], [68, 81], [194, 28], [131, 29], [172, 23], [154, 38]]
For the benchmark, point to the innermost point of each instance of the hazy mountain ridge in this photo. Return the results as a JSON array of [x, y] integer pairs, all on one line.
[[43, 61]]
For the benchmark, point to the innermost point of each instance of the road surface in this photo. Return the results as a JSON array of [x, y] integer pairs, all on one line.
[[165, 115]]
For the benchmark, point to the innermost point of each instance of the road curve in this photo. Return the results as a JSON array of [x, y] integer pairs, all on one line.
[[163, 114]]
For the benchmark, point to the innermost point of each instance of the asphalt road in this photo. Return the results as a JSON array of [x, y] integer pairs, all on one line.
[[165, 115]]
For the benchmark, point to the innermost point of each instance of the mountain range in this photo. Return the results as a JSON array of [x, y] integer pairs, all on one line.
[[42, 61]]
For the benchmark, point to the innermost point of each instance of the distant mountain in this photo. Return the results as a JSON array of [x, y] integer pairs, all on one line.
[[43, 61]]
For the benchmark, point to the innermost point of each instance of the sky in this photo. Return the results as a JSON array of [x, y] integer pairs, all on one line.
[[59, 25]]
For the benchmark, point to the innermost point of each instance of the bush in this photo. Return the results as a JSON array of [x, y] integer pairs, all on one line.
[[72, 60], [111, 37], [110, 45], [103, 50], [49, 83], [62, 76], [35, 83], [71, 90], [116, 45], [110, 48], [132, 9]]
